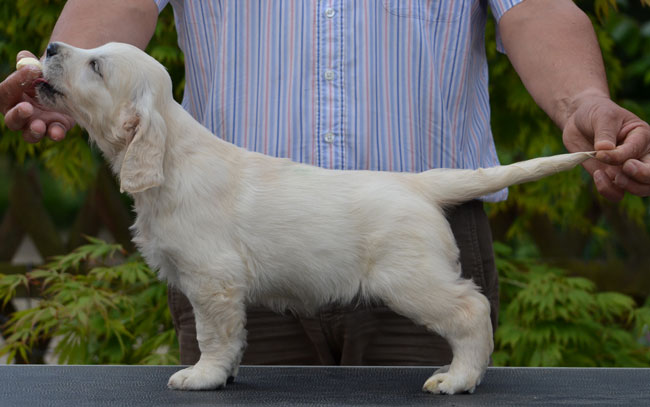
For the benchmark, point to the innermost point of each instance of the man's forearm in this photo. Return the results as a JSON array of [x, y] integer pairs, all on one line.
[[553, 47], [91, 23]]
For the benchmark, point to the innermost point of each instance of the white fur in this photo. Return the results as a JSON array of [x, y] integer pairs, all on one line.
[[231, 227]]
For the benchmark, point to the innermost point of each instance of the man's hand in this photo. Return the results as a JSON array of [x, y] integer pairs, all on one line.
[[622, 142], [553, 47], [22, 111], [84, 24]]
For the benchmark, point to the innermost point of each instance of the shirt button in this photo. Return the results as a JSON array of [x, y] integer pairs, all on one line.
[[330, 12], [329, 137], [329, 75]]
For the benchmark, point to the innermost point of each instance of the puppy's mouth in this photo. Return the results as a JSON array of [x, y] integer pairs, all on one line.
[[46, 90]]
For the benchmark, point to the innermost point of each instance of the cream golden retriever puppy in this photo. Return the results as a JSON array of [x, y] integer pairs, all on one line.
[[231, 227]]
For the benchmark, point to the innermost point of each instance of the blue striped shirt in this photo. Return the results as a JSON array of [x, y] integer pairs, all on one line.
[[389, 85]]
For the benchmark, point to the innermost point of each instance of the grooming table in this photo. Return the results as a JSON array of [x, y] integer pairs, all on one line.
[[39, 385]]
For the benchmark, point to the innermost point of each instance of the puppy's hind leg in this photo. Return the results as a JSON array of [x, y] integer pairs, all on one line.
[[470, 337], [220, 319], [454, 308]]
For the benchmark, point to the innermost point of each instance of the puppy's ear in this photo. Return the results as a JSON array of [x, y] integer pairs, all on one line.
[[142, 165]]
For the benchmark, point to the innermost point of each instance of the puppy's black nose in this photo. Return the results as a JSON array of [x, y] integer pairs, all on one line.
[[52, 50]]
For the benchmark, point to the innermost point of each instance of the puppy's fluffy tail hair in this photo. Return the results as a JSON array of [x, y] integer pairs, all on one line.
[[449, 186]]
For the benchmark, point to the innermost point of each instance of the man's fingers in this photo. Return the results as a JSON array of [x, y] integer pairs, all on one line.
[[24, 54], [34, 131], [12, 88], [18, 117], [631, 186], [604, 176], [22, 112], [604, 121], [587, 131], [35, 123], [20, 81], [622, 142], [638, 170], [592, 165], [56, 131], [574, 140], [606, 187], [38, 128], [636, 143], [633, 177]]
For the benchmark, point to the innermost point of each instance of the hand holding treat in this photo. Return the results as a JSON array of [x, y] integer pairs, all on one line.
[[20, 108]]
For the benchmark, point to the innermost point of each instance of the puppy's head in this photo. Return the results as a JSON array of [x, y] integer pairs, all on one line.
[[119, 94]]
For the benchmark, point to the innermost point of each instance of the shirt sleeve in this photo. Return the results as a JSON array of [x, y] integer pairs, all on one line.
[[161, 4], [499, 8]]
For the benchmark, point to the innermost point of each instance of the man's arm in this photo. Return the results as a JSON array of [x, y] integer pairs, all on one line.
[[553, 47], [91, 23], [84, 24]]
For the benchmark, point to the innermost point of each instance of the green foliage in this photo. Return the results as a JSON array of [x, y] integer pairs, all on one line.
[[568, 202], [99, 308], [551, 319], [27, 25]]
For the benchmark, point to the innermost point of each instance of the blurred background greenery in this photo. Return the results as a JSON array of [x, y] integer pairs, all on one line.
[[575, 269]]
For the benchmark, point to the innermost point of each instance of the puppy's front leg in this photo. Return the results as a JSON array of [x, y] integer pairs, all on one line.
[[220, 319]]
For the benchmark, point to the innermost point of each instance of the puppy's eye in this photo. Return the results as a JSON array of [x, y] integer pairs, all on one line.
[[94, 65]]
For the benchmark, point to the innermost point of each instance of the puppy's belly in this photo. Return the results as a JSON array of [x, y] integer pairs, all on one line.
[[304, 288], [281, 277]]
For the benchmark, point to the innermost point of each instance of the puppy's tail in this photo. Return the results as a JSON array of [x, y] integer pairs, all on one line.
[[448, 186]]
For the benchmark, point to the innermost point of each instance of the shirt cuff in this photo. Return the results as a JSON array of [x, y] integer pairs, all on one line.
[[499, 8], [161, 4]]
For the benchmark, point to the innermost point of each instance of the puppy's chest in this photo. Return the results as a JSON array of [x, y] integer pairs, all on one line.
[[158, 239], [172, 238], [152, 249]]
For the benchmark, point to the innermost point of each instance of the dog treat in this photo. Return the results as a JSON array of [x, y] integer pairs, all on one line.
[[28, 61]]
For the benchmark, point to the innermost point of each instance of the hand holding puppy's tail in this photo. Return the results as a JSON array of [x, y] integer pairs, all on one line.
[[456, 186]]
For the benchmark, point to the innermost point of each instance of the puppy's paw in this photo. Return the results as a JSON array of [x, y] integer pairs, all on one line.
[[198, 378], [443, 382]]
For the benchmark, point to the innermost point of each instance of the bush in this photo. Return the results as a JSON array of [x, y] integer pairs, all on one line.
[[551, 319], [100, 308], [116, 312]]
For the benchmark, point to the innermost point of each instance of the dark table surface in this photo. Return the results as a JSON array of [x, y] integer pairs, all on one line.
[[39, 385]]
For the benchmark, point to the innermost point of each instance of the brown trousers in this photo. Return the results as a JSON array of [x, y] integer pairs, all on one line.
[[355, 334]]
